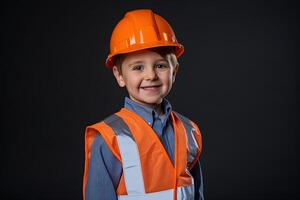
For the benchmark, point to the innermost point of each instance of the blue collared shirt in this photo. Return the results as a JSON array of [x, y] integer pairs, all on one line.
[[105, 170]]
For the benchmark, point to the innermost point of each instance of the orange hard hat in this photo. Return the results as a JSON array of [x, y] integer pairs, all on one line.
[[141, 29]]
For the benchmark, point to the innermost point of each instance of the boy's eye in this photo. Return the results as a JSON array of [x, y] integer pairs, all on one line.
[[137, 67], [161, 66]]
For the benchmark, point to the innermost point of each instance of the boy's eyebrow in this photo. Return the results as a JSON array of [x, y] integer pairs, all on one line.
[[135, 62], [141, 61], [161, 59]]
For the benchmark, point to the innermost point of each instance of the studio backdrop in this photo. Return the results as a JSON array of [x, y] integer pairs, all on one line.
[[237, 80]]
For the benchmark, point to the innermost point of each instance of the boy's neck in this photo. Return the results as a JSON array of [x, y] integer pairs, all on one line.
[[156, 107]]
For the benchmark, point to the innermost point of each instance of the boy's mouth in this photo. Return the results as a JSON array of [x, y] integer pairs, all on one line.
[[150, 87]]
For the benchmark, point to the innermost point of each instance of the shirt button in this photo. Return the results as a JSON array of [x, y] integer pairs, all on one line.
[[149, 123]]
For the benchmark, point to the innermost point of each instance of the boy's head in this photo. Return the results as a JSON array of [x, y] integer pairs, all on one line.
[[143, 56], [147, 74]]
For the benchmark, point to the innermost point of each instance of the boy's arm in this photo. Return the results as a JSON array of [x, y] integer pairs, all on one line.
[[198, 181], [103, 174]]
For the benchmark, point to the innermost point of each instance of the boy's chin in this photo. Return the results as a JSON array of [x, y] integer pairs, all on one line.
[[150, 102], [153, 102]]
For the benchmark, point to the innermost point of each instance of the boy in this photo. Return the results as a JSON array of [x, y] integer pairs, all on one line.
[[146, 150]]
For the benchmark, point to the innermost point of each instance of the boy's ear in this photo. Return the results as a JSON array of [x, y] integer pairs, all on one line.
[[175, 72], [119, 77]]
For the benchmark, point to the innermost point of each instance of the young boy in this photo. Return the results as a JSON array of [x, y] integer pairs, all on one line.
[[145, 150]]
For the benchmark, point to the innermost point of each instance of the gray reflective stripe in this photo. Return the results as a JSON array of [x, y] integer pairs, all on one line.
[[183, 193], [118, 125], [193, 146], [131, 164]]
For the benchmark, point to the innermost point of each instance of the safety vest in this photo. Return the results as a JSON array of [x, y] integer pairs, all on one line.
[[148, 172]]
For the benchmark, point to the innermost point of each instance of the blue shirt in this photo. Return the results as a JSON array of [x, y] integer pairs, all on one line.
[[105, 170]]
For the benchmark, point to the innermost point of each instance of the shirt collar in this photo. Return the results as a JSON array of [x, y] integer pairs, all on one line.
[[147, 113]]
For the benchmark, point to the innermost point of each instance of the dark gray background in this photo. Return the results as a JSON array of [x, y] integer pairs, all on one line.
[[238, 80]]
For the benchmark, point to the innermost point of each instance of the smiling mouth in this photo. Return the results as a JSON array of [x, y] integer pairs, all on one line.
[[153, 87]]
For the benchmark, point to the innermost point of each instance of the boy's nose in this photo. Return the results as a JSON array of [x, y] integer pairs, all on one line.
[[150, 74]]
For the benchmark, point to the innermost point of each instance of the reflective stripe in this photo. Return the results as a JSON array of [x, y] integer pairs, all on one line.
[[118, 125], [192, 144], [183, 193], [186, 192], [131, 164]]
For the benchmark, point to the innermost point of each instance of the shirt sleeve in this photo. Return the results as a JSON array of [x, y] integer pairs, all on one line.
[[103, 174], [198, 181]]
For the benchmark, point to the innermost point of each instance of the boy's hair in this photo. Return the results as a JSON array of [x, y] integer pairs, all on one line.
[[167, 52]]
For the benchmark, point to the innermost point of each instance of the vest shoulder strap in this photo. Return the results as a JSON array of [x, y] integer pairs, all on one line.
[[111, 127], [194, 139], [108, 129], [129, 152]]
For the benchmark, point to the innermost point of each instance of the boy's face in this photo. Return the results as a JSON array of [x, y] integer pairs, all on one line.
[[147, 76]]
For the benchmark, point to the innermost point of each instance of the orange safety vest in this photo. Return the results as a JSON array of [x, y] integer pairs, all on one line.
[[160, 178]]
